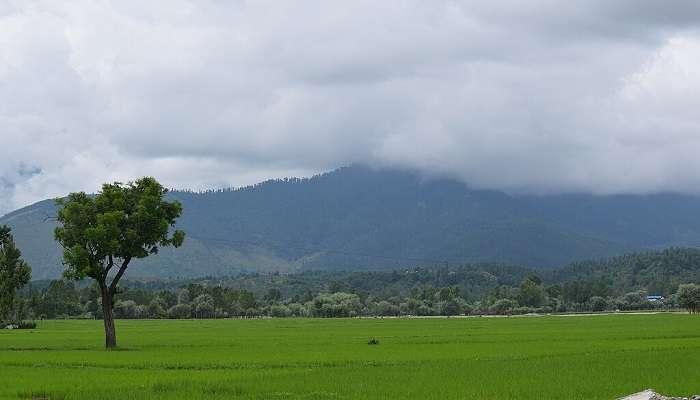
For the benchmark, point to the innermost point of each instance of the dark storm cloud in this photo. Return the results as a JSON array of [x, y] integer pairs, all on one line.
[[535, 96]]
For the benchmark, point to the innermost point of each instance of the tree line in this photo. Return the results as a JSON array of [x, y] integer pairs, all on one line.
[[66, 299]]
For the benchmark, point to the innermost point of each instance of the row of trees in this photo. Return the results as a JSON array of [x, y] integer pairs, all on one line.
[[62, 299]]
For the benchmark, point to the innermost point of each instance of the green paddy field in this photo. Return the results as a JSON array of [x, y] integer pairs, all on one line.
[[554, 357]]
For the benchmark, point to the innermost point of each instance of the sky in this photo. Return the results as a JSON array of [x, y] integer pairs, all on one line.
[[528, 96]]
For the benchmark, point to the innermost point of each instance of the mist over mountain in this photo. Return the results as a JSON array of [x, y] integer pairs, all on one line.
[[358, 218]]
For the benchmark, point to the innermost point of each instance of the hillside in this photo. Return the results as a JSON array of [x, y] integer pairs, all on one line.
[[657, 272], [357, 218]]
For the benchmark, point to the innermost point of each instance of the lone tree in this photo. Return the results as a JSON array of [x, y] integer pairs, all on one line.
[[14, 273], [102, 234], [688, 297]]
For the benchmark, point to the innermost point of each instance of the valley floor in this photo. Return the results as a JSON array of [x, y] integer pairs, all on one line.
[[451, 358]]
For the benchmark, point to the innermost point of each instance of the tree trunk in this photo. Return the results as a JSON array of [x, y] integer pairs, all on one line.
[[108, 316]]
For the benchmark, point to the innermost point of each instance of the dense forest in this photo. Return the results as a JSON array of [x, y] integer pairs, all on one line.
[[619, 283], [358, 218]]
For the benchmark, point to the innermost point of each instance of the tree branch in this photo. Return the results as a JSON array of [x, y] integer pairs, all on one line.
[[118, 276], [109, 265]]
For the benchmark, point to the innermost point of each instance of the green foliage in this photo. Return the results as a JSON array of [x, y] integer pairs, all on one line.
[[279, 311], [101, 234], [337, 304], [636, 300], [454, 290], [60, 299], [658, 272], [503, 306], [125, 309], [120, 223], [531, 293], [688, 297], [180, 311], [14, 274], [598, 303], [157, 308]]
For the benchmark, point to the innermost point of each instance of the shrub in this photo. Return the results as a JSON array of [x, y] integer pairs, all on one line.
[[503, 306], [454, 306], [598, 303], [180, 311], [634, 301], [424, 310], [26, 325], [156, 308], [373, 342], [384, 308], [298, 310], [204, 310], [335, 305], [279, 310], [141, 312], [251, 312], [18, 325], [125, 309]]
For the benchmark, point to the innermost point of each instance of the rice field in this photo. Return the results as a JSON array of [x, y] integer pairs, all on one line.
[[581, 357]]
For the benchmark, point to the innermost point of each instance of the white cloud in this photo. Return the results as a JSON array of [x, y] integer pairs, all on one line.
[[539, 96]]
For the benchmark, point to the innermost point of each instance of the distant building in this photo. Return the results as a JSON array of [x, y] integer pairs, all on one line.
[[655, 298]]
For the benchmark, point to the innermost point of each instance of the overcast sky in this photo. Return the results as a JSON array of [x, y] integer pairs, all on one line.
[[524, 96]]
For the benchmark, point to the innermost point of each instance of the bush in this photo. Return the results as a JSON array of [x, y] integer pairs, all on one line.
[[141, 312], [424, 310], [251, 312], [634, 301], [525, 310], [454, 306], [18, 325], [335, 305], [373, 342], [125, 309], [156, 308], [598, 303], [298, 310], [503, 306], [203, 306], [204, 310], [26, 325], [180, 311], [384, 308], [279, 310]]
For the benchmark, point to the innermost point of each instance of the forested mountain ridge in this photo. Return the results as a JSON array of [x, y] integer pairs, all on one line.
[[358, 218], [657, 272]]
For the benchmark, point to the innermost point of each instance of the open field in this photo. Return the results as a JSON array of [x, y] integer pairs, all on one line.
[[585, 357]]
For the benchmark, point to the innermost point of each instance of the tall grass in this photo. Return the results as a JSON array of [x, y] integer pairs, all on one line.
[[594, 357]]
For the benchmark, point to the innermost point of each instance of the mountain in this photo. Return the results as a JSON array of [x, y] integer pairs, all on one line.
[[358, 218]]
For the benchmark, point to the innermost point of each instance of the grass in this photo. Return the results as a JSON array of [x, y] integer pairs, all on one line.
[[583, 357]]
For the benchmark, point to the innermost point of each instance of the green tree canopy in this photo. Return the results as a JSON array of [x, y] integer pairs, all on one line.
[[102, 234], [14, 273], [531, 293], [688, 297]]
